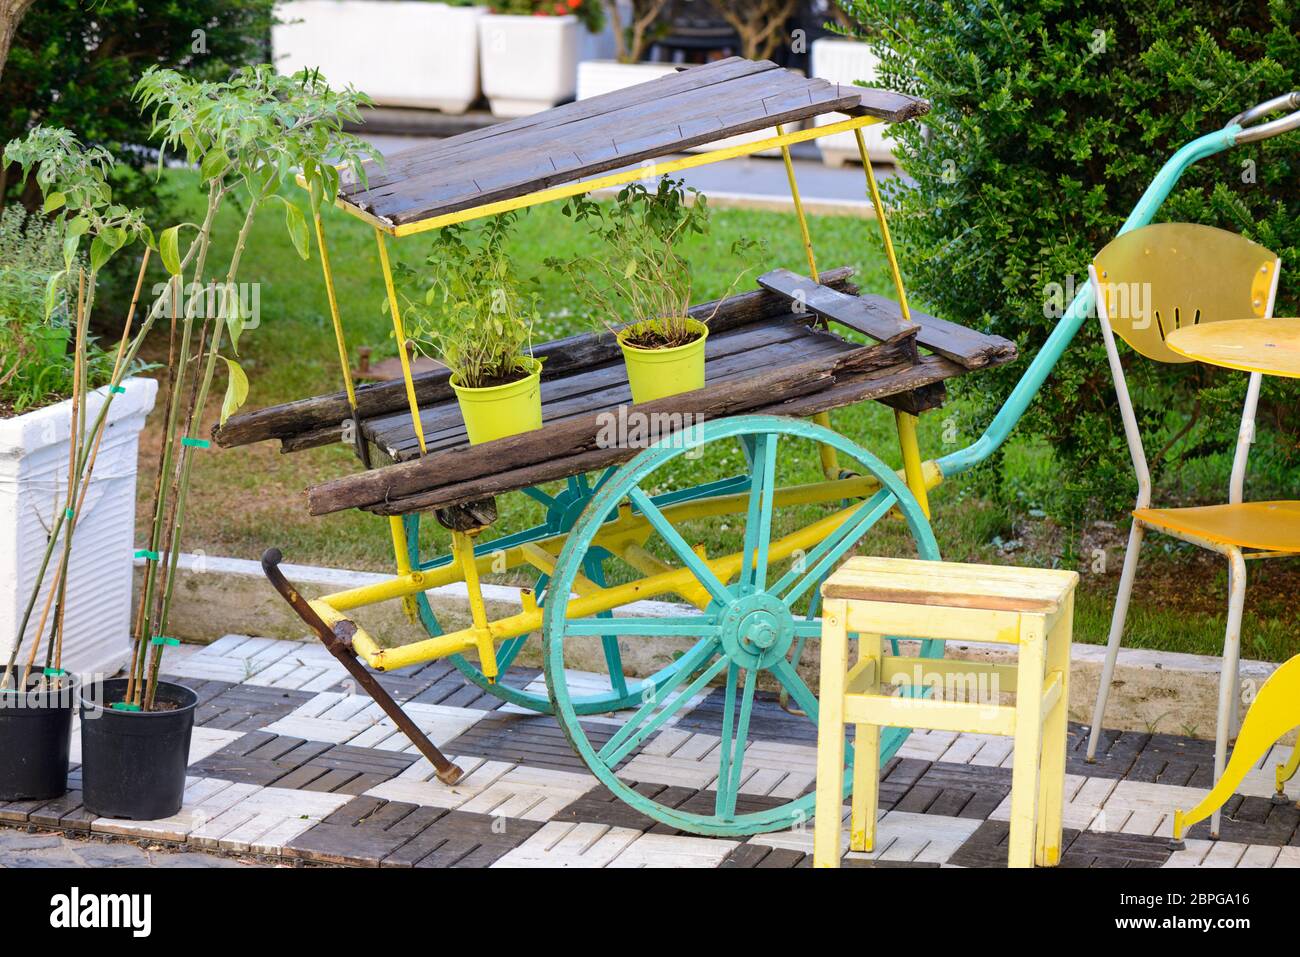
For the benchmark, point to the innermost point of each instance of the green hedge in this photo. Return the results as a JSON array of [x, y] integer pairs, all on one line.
[[1047, 121]]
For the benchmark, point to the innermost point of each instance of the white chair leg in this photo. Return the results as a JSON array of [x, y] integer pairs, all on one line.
[[1229, 690], [1127, 574]]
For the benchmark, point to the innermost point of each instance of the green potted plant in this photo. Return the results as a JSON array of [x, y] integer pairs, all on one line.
[[475, 316], [245, 137], [642, 272], [37, 694]]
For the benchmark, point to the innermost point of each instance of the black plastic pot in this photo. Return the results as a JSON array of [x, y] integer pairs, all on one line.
[[133, 762], [35, 733]]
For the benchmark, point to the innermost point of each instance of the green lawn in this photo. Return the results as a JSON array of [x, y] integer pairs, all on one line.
[[248, 499]]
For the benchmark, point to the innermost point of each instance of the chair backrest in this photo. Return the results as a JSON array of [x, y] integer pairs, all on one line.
[[1162, 277]]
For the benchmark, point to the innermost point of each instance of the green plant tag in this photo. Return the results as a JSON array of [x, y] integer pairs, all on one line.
[[195, 443], [68, 513], [53, 672], [124, 706], [164, 640], [145, 553], [118, 390]]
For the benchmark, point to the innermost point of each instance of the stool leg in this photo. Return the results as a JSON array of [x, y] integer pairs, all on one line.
[[1051, 789], [828, 809], [866, 765], [1028, 741]]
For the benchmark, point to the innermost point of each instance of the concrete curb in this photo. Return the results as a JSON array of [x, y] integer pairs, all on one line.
[[1152, 691]]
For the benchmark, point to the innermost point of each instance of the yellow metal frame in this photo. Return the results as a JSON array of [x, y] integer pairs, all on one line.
[[626, 536]]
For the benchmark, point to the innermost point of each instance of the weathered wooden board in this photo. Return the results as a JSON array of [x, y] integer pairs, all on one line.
[[881, 318], [476, 471], [319, 421], [648, 121], [852, 389]]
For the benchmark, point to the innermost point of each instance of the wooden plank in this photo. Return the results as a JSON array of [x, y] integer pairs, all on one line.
[[324, 415], [967, 347], [830, 304], [414, 206], [524, 131], [880, 317], [478, 471], [784, 341]]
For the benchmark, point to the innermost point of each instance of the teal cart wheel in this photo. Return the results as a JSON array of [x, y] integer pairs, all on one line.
[[563, 509], [746, 634]]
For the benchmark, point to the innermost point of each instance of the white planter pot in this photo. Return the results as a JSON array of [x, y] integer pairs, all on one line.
[[400, 52], [529, 64], [847, 61], [33, 483], [605, 76]]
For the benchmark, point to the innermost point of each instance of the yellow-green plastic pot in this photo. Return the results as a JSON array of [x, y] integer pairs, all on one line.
[[501, 410], [657, 373]]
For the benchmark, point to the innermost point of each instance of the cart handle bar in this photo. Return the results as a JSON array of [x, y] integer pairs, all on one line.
[[1078, 311], [1285, 124]]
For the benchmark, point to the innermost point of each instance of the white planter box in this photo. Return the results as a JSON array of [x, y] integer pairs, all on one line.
[[400, 52], [847, 61], [529, 64], [33, 483], [605, 76]]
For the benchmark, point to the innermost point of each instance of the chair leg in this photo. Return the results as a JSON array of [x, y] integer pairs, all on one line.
[[1028, 743], [1051, 787], [829, 807], [1228, 687], [866, 765], [1118, 617]]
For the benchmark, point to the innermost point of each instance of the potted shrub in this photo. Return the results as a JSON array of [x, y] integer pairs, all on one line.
[[407, 53], [37, 690], [244, 136], [528, 52], [476, 316], [641, 272]]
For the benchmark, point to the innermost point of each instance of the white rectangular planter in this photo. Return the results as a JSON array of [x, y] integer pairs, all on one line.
[[596, 77], [848, 61], [529, 64], [33, 483], [400, 52]]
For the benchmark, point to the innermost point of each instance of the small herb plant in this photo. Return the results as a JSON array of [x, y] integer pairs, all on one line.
[[470, 310], [642, 271]]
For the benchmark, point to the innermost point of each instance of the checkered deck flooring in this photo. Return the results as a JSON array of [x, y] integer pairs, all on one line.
[[288, 762]]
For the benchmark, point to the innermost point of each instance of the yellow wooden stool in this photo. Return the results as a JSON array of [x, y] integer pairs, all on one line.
[[1028, 607]]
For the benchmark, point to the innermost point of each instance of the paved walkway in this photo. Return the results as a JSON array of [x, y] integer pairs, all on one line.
[[55, 849], [288, 763]]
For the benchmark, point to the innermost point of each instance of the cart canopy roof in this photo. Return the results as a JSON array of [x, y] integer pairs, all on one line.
[[649, 121]]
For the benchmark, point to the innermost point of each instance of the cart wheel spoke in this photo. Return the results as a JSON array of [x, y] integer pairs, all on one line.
[[758, 520], [819, 561], [658, 707], [731, 767], [683, 626], [659, 522], [792, 683]]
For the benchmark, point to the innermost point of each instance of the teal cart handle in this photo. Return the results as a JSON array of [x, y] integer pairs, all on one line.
[[1074, 316]]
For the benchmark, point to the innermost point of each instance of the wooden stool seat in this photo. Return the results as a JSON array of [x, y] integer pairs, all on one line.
[[1030, 608]]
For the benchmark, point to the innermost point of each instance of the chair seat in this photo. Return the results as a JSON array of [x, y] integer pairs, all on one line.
[[1268, 526], [951, 584]]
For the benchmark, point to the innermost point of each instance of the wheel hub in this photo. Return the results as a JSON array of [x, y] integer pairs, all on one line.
[[756, 630]]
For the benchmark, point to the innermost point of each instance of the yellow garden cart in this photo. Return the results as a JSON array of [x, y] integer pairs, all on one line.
[[615, 539]]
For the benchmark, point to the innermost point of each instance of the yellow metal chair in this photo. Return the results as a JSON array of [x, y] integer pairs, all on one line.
[[1029, 608], [1147, 283]]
